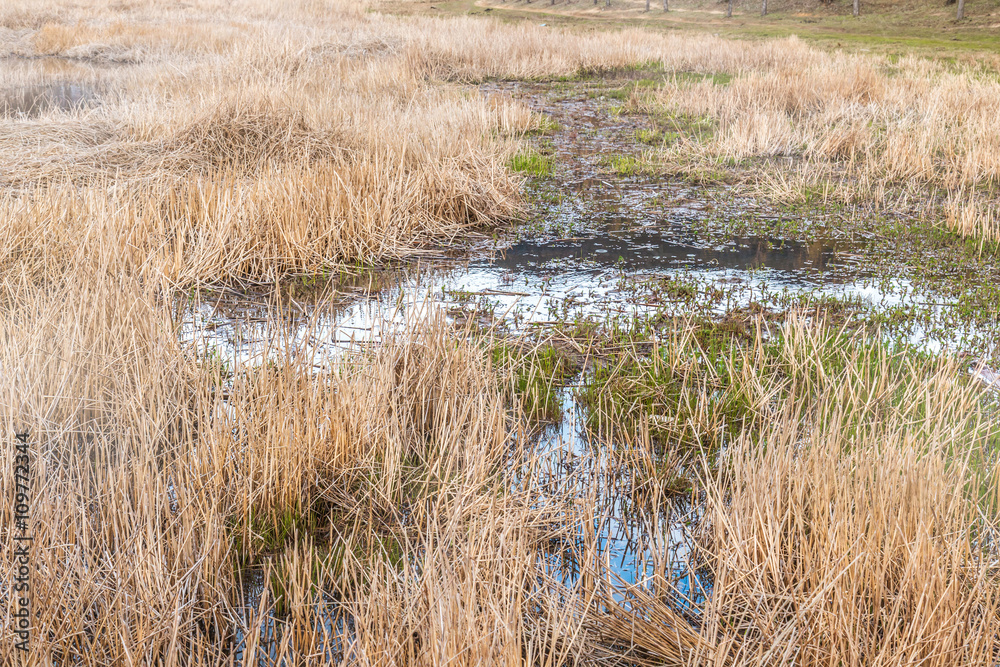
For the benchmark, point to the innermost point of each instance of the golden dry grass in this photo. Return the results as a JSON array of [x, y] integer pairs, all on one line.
[[851, 531], [250, 142], [278, 148], [854, 527], [157, 475], [389, 494], [911, 134]]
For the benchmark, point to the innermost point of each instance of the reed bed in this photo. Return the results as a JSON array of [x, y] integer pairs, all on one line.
[[387, 505], [374, 491], [252, 142], [857, 529], [851, 523], [277, 149], [904, 135]]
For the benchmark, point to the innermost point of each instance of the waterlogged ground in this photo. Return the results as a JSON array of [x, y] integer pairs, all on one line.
[[606, 241], [69, 87], [610, 248]]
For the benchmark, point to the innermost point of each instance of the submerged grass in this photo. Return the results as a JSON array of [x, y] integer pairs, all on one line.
[[537, 372]]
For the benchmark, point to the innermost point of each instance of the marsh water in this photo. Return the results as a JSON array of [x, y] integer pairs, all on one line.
[[596, 246], [32, 101], [599, 247]]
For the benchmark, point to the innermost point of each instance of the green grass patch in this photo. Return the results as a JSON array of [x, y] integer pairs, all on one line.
[[656, 137], [626, 165], [545, 124], [717, 78], [697, 128], [531, 162]]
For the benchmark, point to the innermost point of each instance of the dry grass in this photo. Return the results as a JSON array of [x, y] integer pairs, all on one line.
[[251, 142], [280, 148], [851, 532], [388, 500], [400, 516], [855, 528], [378, 484], [912, 135]]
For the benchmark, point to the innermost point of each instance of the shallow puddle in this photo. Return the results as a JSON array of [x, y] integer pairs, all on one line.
[[32, 101], [610, 274], [638, 542]]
